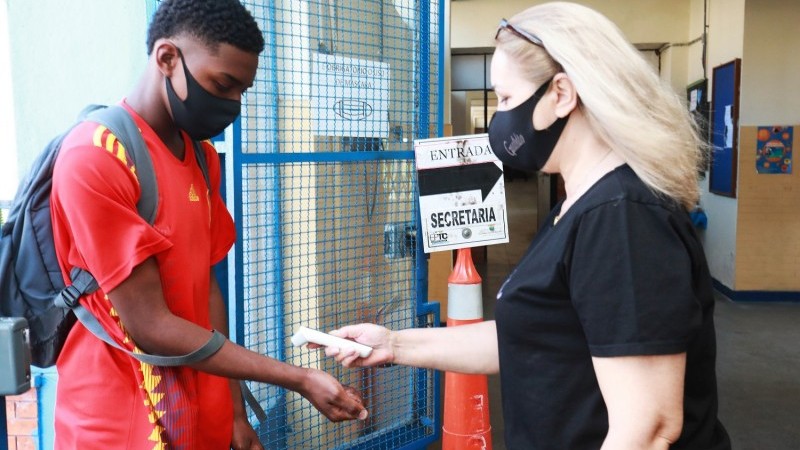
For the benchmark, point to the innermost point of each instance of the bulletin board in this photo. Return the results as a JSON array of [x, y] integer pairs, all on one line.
[[725, 128], [699, 109]]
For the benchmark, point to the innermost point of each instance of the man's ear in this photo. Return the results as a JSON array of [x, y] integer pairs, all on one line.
[[166, 56], [567, 96]]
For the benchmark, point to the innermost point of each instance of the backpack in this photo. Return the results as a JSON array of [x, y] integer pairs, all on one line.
[[31, 284]]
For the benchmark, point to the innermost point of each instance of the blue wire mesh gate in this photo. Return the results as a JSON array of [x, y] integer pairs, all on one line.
[[325, 189]]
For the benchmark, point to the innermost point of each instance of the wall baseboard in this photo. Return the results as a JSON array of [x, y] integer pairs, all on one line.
[[757, 296]]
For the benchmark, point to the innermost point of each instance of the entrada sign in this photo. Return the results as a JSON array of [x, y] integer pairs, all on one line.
[[461, 193]]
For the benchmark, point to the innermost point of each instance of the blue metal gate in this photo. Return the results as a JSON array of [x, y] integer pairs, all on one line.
[[325, 193]]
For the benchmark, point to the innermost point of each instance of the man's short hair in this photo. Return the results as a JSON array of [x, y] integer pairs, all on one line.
[[212, 21]]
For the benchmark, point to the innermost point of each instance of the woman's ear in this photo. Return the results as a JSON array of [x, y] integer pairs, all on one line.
[[166, 56], [566, 94]]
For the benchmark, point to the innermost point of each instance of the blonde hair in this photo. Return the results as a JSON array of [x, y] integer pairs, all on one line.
[[625, 102]]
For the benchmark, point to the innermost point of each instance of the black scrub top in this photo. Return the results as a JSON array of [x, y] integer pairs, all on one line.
[[621, 273]]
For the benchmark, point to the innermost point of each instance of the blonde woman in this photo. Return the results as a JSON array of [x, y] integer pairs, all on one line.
[[604, 333]]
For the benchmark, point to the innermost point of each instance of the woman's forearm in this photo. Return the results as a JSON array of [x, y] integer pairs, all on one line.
[[465, 348]]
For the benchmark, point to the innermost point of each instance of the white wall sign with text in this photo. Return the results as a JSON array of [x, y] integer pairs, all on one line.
[[350, 97]]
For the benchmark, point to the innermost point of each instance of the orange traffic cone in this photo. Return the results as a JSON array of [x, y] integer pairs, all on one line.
[[466, 397]]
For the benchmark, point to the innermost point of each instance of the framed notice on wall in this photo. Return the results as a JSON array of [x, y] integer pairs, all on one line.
[[725, 128]]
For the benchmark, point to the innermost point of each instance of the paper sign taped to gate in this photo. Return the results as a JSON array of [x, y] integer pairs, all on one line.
[[350, 97]]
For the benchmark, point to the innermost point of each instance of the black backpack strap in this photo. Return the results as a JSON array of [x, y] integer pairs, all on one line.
[[251, 400], [200, 156], [211, 346], [84, 283]]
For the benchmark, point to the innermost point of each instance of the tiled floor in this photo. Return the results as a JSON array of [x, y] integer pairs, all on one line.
[[758, 369], [758, 360]]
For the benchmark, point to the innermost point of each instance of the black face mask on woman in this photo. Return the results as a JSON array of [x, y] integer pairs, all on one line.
[[202, 115], [514, 140]]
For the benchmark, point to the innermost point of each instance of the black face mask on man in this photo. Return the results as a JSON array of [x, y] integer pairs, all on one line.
[[516, 142], [202, 115]]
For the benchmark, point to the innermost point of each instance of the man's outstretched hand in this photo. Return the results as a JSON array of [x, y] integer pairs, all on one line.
[[336, 402]]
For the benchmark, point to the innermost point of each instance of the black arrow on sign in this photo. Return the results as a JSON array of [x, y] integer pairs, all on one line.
[[445, 180]]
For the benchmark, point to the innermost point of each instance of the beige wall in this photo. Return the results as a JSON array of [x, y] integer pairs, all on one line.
[[8, 157], [771, 65], [725, 42], [674, 70], [647, 22], [761, 33], [694, 53], [474, 22], [768, 235], [768, 238], [744, 250]]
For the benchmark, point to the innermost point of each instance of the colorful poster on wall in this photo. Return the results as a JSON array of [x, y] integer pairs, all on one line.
[[774, 150]]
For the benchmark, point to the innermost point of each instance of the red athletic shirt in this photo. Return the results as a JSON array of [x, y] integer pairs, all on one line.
[[105, 398]]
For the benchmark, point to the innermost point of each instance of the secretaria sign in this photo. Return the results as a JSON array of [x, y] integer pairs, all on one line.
[[461, 193]]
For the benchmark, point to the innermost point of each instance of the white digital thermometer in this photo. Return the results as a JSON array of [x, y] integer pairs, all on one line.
[[304, 335]]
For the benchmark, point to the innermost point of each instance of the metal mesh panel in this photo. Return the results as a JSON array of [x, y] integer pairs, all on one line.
[[326, 205], [280, 110], [328, 248]]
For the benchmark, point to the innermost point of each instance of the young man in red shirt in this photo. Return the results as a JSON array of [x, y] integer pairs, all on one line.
[[157, 290]]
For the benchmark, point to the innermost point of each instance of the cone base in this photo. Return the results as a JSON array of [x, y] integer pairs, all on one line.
[[466, 424], [477, 441]]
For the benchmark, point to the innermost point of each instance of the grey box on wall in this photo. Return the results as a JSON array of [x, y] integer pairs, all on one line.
[[15, 357]]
